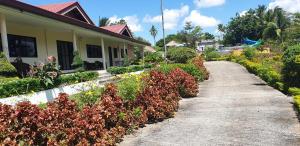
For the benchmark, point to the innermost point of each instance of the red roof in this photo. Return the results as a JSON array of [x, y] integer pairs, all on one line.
[[56, 8], [115, 28]]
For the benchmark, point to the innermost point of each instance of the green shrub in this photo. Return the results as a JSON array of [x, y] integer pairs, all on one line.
[[297, 101], [87, 98], [129, 87], [47, 73], [77, 62], [122, 70], [189, 68], [6, 68], [135, 68], [249, 53], [294, 91], [211, 54], [181, 55], [19, 87], [78, 77], [154, 58], [117, 70], [291, 67]]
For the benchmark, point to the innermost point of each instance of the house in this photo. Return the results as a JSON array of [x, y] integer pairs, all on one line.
[[35, 32], [174, 44], [203, 44]]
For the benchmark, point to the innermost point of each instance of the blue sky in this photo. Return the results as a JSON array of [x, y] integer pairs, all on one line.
[[141, 14]]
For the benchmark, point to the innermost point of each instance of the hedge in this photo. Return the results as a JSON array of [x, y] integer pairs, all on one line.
[[28, 85], [181, 54], [122, 70], [78, 77], [19, 87], [105, 122], [189, 68]]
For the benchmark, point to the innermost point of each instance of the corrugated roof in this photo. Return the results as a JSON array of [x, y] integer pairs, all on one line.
[[56, 8], [115, 28]]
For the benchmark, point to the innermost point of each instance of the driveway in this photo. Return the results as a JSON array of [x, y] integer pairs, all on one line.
[[233, 108]]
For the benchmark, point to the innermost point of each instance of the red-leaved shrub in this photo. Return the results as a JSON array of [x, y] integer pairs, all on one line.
[[199, 63], [159, 97], [105, 122], [187, 84]]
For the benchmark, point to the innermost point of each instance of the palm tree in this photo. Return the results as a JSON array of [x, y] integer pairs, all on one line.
[[104, 21], [153, 32], [221, 28]]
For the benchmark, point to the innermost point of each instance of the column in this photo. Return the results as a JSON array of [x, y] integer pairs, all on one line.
[[75, 41], [103, 54], [4, 35], [124, 50], [143, 55]]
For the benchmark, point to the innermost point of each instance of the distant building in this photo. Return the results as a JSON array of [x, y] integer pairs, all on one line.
[[174, 44], [208, 44]]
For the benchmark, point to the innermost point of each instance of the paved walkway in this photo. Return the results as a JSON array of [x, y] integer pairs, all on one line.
[[233, 108]]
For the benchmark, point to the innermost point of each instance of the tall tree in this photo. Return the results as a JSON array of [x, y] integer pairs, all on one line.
[[104, 21], [208, 36], [188, 27], [153, 32]]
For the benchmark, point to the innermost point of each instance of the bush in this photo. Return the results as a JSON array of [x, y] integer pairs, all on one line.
[[160, 97], [297, 101], [47, 73], [294, 91], [77, 62], [129, 87], [154, 58], [181, 55], [105, 122], [6, 68], [189, 68], [122, 70], [211, 54], [249, 53], [77, 77], [187, 84], [19, 87], [199, 63], [291, 67]]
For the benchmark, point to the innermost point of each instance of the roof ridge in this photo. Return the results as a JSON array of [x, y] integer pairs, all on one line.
[[60, 3]]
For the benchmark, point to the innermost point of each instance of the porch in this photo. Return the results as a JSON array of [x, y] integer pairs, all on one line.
[[34, 38]]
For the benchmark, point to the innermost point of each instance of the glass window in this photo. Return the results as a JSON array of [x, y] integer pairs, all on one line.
[[22, 46], [94, 51], [122, 53], [126, 51], [116, 52]]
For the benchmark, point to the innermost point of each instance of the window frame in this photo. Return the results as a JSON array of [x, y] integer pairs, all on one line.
[[97, 54], [19, 52], [115, 53]]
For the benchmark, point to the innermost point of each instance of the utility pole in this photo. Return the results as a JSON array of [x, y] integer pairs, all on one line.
[[163, 27]]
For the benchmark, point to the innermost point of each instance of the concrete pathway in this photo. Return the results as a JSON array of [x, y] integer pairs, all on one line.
[[233, 108]]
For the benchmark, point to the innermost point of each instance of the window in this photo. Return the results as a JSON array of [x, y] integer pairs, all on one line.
[[116, 52], [126, 51], [122, 53], [21, 46], [94, 51]]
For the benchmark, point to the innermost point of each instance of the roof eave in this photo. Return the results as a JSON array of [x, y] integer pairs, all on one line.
[[39, 11]]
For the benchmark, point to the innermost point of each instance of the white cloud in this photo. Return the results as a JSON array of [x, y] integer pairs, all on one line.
[[172, 17], [204, 21], [291, 6], [132, 22], [208, 3]]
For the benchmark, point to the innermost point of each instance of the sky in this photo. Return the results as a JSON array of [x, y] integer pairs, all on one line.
[[142, 14]]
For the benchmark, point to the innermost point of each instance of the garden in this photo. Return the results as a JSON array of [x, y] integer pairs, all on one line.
[[102, 116]]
